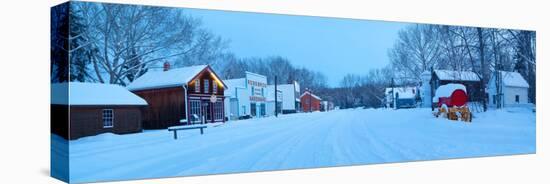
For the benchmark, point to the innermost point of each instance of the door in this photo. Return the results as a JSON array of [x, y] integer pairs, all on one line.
[[207, 110]]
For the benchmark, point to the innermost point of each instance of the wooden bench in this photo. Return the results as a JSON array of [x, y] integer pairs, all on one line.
[[176, 128]]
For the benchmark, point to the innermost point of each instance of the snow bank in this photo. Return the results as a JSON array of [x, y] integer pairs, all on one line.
[[77, 93], [446, 91]]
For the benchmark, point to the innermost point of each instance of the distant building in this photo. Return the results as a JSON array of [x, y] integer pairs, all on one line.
[[310, 102], [176, 95], [327, 106], [86, 109], [291, 97], [513, 89], [247, 96], [401, 97], [270, 100]]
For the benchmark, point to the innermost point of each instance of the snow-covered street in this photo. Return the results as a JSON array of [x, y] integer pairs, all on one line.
[[304, 140]]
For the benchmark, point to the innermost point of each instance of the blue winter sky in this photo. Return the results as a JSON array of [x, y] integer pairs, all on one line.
[[332, 46]]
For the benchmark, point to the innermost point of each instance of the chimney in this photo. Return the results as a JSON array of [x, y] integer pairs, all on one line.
[[166, 66]]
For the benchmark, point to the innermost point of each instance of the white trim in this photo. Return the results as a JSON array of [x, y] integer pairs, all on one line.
[[112, 118]]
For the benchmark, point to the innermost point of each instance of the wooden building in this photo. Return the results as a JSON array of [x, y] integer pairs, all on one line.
[[86, 109], [467, 78], [310, 102], [176, 95]]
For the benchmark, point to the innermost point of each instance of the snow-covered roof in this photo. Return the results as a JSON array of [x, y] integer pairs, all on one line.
[[232, 84], [404, 92], [162, 79], [447, 90], [456, 75], [93, 94], [513, 79], [314, 96]]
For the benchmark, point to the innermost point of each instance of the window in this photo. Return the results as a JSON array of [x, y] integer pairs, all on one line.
[[517, 98], [206, 85], [494, 99], [108, 118], [214, 88], [252, 91], [197, 86], [195, 107], [263, 92]]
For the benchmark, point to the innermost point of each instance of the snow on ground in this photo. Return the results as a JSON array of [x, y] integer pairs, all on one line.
[[306, 140]]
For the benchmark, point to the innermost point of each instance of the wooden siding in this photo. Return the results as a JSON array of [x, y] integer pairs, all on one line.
[[315, 103], [205, 74], [472, 87], [83, 121], [166, 107]]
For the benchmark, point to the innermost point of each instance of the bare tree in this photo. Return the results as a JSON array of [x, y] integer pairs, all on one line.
[[130, 39]]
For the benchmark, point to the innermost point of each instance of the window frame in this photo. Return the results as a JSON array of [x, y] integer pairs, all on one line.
[[112, 118], [214, 88], [206, 85], [197, 85]]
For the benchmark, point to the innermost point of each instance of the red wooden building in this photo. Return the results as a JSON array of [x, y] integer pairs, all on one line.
[[176, 95], [310, 102]]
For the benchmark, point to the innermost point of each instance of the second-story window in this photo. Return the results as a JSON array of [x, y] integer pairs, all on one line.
[[214, 88], [206, 85], [197, 86]]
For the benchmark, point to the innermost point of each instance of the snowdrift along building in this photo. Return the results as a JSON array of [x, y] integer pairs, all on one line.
[[247, 96], [86, 109], [176, 95]]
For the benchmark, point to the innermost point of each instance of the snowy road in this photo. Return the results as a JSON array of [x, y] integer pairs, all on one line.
[[345, 137]]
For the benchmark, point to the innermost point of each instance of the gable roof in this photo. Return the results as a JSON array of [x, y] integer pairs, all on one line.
[[314, 96], [171, 78], [456, 75], [77, 93], [513, 79]]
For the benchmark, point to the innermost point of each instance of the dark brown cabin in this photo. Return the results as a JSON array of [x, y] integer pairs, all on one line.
[[466, 78], [92, 109], [170, 91]]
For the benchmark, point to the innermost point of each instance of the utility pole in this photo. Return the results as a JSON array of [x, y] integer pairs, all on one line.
[[276, 102], [393, 94]]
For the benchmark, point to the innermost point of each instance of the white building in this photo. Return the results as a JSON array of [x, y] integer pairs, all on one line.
[[514, 89], [247, 96], [291, 97], [401, 97], [270, 100]]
